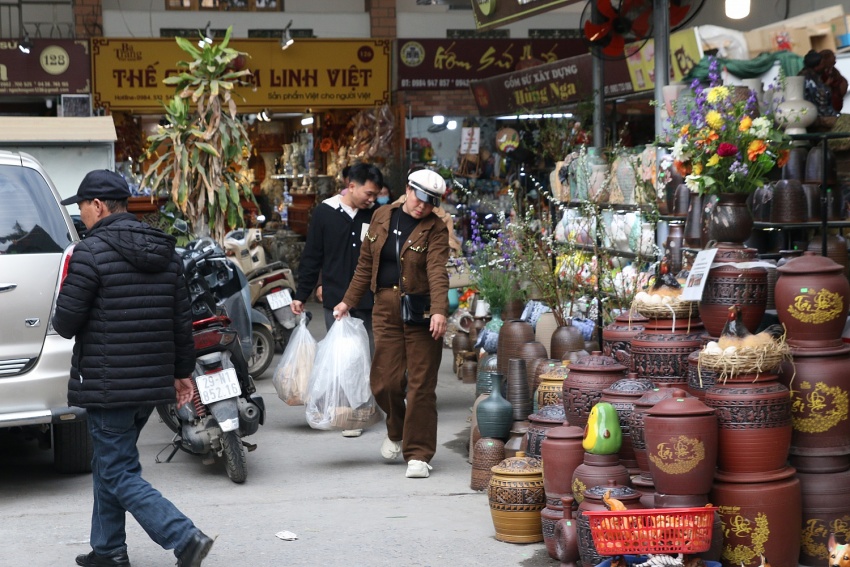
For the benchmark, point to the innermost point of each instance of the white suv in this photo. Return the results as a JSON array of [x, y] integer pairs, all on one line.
[[36, 242]]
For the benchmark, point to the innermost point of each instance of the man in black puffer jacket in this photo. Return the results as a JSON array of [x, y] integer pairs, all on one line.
[[126, 303]]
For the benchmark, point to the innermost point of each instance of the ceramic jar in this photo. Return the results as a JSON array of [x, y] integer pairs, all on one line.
[[734, 283], [637, 430], [660, 352], [617, 337], [495, 413], [566, 536], [789, 202], [730, 221], [487, 453], [593, 501], [562, 453], [513, 334], [681, 445], [795, 113], [583, 386], [820, 412], [566, 339], [516, 498], [484, 382], [595, 470], [811, 297], [460, 343], [539, 424], [517, 390], [760, 518], [531, 352], [623, 394], [699, 379], [550, 391], [754, 415], [836, 249], [673, 245], [826, 507], [517, 439]]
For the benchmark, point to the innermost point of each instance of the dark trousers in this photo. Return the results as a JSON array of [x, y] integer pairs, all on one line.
[[400, 348]]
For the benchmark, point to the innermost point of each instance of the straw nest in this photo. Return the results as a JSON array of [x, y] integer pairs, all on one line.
[[666, 308], [764, 358]]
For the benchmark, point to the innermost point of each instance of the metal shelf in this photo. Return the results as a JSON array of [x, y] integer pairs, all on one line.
[[811, 224]]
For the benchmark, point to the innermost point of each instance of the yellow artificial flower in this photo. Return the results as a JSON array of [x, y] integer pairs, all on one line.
[[745, 124], [714, 119], [755, 149], [697, 169], [684, 129], [712, 161], [716, 94]]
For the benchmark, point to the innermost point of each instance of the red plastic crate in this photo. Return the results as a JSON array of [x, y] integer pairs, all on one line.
[[653, 530]]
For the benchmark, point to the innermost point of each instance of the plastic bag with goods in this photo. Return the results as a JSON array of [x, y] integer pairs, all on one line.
[[292, 375], [339, 395]]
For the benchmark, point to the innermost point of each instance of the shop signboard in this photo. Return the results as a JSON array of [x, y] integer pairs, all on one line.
[[52, 67], [685, 53], [312, 73], [548, 86], [445, 64], [494, 13]]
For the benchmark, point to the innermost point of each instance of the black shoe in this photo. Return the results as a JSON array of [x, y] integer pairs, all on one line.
[[94, 560], [195, 551]]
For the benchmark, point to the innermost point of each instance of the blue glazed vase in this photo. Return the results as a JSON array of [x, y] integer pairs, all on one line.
[[495, 413]]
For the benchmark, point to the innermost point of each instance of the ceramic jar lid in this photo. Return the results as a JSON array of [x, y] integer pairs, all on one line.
[[622, 493], [519, 465], [810, 263], [549, 414], [597, 362], [565, 431], [679, 404], [631, 386], [556, 371]]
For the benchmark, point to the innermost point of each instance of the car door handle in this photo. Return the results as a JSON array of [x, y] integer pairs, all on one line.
[[7, 287]]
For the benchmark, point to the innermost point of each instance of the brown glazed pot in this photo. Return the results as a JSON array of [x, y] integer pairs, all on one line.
[[836, 249], [820, 439], [546, 418], [566, 536], [513, 334], [595, 470], [561, 453], [660, 352], [812, 295], [530, 352], [728, 285], [593, 502], [486, 454], [637, 428], [460, 342], [566, 339], [789, 202], [730, 221], [623, 394], [754, 415], [681, 444], [699, 379], [549, 518], [550, 390], [583, 386], [617, 337], [516, 498], [517, 392], [513, 309], [760, 518], [826, 506]]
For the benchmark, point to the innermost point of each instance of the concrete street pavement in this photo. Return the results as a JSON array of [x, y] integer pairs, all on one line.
[[348, 506]]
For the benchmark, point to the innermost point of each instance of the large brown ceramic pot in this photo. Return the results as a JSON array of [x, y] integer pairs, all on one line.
[[566, 339], [617, 337], [539, 424], [623, 394], [593, 502], [811, 297], [660, 352], [637, 429], [550, 390], [820, 411], [681, 445], [531, 352], [516, 497], [760, 518], [754, 414], [836, 249], [487, 453], [731, 284], [562, 453], [699, 379], [595, 470], [513, 334], [826, 509], [730, 221], [583, 386]]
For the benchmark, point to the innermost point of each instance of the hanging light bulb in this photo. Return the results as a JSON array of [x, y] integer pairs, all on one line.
[[737, 9]]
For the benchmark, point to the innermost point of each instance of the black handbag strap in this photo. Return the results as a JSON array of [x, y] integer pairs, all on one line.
[[397, 252]]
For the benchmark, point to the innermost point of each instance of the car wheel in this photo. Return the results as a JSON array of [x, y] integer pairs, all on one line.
[[262, 351], [72, 447]]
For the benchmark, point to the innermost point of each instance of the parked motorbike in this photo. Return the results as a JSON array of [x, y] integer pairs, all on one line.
[[271, 287], [225, 407]]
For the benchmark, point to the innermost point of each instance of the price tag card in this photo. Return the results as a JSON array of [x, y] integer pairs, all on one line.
[[698, 276]]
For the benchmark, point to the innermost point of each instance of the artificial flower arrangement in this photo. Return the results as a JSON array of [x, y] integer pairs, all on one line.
[[492, 271], [722, 145]]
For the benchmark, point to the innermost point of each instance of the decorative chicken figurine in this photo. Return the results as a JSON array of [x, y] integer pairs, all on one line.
[[602, 434], [734, 326], [664, 277]]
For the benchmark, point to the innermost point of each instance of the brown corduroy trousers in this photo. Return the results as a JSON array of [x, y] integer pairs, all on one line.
[[400, 347]]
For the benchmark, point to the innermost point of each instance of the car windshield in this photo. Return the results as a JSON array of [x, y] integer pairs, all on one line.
[[31, 221]]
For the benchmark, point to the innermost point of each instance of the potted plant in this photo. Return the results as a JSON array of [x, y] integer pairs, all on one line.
[[201, 154]]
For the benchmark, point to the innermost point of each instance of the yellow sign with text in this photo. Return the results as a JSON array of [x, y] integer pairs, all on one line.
[[311, 73], [685, 53]]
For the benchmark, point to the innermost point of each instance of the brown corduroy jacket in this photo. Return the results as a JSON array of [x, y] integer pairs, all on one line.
[[423, 260]]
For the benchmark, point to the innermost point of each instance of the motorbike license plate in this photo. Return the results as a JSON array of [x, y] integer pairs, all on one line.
[[279, 299], [218, 386]]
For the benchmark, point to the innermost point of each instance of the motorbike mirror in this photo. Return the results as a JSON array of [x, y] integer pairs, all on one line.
[[181, 226]]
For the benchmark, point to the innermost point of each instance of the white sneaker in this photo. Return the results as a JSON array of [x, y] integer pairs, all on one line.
[[390, 450], [418, 469], [352, 432]]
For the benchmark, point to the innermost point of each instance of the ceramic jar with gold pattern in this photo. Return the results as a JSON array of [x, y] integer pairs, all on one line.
[[516, 498]]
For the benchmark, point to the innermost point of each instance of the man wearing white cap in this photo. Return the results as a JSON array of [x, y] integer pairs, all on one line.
[[405, 253]]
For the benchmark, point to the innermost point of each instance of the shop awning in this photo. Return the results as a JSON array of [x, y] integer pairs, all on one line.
[[57, 130]]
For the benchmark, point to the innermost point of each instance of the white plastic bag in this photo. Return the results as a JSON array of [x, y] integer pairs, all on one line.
[[292, 375], [339, 395]]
